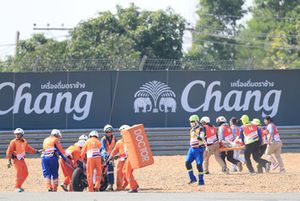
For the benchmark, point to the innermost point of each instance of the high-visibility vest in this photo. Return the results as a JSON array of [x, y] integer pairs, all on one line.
[[109, 146], [18, 148], [264, 135], [250, 133], [92, 148], [211, 134], [227, 133], [121, 149], [276, 136], [74, 152], [49, 146], [194, 142]]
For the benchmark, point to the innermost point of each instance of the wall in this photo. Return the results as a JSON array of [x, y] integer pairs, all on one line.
[[157, 99]]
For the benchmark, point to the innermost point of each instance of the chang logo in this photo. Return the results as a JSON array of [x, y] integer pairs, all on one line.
[[154, 96]]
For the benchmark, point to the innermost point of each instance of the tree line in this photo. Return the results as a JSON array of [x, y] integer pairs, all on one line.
[[269, 38]]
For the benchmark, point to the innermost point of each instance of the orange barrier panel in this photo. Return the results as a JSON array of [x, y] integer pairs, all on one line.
[[137, 144]]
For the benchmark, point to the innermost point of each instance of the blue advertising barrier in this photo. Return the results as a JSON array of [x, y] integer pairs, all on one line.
[[158, 99]]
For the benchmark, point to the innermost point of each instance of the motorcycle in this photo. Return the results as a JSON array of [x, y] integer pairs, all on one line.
[[79, 178]]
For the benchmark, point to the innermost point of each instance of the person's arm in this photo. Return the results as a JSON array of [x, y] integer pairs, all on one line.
[[259, 135], [221, 134], [9, 153], [75, 158], [83, 152], [201, 135], [270, 132], [242, 137], [103, 148], [60, 150], [115, 150], [234, 131], [103, 141], [10, 150], [30, 149]]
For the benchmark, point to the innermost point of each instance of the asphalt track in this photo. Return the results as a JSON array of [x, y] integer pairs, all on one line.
[[145, 196]]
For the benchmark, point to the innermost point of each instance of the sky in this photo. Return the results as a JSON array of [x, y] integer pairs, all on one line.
[[20, 15]]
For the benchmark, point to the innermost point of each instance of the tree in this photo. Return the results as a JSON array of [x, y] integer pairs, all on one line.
[[273, 33], [213, 37], [108, 41], [39, 54], [129, 34]]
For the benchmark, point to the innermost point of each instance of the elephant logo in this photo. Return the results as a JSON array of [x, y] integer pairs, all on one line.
[[154, 97], [167, 102], [142, 102]]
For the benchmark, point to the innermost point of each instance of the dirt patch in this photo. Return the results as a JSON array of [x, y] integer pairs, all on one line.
[[168, 174]]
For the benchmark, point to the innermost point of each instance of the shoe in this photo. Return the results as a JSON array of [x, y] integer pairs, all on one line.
[[268, 166], [50, 190], [225, 170], [64, 187], [259, 169], [201, 183], [206, 172], [252, 173], [22, 189], [19, 190], [282, 171], [234, 170], [240, 166], [191, 182], [275, 166], [133, 191], [110, 188]]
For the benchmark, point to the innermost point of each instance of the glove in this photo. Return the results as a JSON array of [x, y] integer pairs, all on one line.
[[9, 164]]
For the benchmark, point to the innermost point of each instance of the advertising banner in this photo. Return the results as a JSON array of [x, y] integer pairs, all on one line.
[[156, 99]]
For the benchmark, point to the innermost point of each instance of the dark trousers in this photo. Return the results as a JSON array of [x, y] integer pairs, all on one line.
[[229, 156], [254, 150], [262, 149]]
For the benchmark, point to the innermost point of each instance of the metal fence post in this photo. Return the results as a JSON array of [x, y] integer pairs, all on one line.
[[142, 64]]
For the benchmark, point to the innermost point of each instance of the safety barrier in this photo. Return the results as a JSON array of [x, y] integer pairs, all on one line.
[[163, 141]]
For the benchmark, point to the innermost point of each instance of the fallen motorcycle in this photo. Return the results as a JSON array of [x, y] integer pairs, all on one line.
[[79, 178]]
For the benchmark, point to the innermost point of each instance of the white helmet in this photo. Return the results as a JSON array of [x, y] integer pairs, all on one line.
[[205, 119], [221, 119], [107, 128], [83, 137], [56, 133], [94, 134], [124, 127], [19, 131], [81, 143]]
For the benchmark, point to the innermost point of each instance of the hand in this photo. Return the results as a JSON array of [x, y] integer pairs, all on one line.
[[9, 164]]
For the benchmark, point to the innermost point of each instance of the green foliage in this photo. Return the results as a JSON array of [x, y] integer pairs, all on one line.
[[274, 34], [125, 36], [217, 18], [129, 33]]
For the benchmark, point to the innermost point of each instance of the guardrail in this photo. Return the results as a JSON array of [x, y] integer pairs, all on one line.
[[163, 141]]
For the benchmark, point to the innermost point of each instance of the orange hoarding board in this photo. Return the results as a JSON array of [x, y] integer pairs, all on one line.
[[137, 145]]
